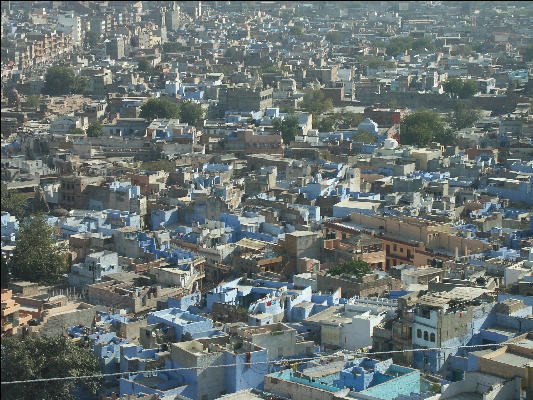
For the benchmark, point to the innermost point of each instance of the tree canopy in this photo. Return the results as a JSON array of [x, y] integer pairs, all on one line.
[[159, 108], [92, 38], [400, 45], [462, 116], [191, 113], [144, 65], [13, 203], [331, 122], [334, 37], [173, 47], [76, 131], [161, 165], [373, 61], [287, 126], [359, 268], [459, 88], [296, 30], [44, 357], [423, 127], [38, 257], [315, 102], [325, 124], [231, 52], [364, 136], [94, 129], [62, 80], [33, 101]]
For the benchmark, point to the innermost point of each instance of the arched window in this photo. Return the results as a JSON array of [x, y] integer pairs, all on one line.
[[418, 333], [432, 337], [425, 335]]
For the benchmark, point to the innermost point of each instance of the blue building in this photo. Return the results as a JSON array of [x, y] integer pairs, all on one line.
[[375, 380], [182, 321], [246, 365]]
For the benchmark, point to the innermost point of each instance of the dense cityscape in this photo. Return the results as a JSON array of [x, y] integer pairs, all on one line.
[[313, 200]]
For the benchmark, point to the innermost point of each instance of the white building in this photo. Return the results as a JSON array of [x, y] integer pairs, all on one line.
[[70, 20], [64, 124], [351, 328]]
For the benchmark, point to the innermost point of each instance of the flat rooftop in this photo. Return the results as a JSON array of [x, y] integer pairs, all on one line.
[[516, 360]]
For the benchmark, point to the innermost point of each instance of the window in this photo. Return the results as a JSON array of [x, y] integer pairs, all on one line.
[[432, 337], [401, 249], [419, 333], [395, 247], [388, 248], [425, 335]]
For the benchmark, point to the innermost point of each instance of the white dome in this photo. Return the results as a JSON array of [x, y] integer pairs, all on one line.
[[390, 144]]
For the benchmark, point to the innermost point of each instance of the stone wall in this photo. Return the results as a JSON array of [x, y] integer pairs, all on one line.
[[56, 325]]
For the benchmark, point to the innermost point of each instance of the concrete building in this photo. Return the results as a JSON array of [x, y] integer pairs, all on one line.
[[94, 268], [127, 296], [244, 99], [363, 378], [247, 366], [369, 285], [279, 340], [348, 326]]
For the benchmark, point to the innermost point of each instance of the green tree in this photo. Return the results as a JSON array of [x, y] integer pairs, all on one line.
[[334, 37], [94, 129], [231, 52], [159, 108], [92, 38], [41, 357], [62, 80], [173, 47], [315, 102], [38, 257], [326, 124], [423, 43], [364, 136], [462, 116], [462, 50], [144, 65], [345, 119], [161, 165], [422, 127], [76, 131], [59, 81], [288, 127], [359, 268], [191, 113], [373, 61], [398, 46], [296, 30], [348, 118], [33, 101], [13, 203], [459, 88], [469, 89]]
